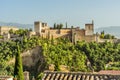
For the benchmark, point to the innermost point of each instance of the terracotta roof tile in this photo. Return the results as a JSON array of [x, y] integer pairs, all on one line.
[[113, 72]]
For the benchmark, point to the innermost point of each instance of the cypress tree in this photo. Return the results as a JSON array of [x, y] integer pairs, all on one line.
[[60, 26], [55, 26], [18, 69], [66, 25]]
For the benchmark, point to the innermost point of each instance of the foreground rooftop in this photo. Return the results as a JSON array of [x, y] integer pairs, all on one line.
[[78, 76]]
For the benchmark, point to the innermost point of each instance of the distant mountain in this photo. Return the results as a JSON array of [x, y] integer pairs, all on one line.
[[24, 26], [114, 30]]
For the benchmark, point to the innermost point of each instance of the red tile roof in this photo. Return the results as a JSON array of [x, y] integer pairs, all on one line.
[[112, 72]]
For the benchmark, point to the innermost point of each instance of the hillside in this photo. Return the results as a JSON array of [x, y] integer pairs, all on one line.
[[82, 56], [114, 30], [24, 26]]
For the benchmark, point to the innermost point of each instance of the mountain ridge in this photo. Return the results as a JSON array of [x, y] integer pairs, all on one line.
[[113, 30], [19, 25]]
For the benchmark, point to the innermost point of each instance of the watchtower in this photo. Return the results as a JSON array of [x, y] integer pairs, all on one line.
[[38, 27], [89, 28]]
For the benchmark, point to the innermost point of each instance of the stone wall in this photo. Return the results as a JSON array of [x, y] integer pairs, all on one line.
[[90, 38], [54, 31], [5, 29], [65, 31], [79, 35], [31, 57], [33, 61], [57, 33]]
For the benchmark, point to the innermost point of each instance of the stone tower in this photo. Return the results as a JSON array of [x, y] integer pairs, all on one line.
[[41, 28], [89, 28], [38, 27]]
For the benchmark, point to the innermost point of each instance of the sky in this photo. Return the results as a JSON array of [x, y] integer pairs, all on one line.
[[75, 12]]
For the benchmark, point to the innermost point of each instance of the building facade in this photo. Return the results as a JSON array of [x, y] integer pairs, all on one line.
[[5, 29], [74, 34]]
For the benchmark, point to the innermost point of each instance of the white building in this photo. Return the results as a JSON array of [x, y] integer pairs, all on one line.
[[5, 77]]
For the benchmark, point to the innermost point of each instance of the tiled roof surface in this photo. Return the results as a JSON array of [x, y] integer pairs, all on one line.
[[112, 72], [78, 76]]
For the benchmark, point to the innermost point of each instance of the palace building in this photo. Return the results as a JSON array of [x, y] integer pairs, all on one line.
[[74, 34]]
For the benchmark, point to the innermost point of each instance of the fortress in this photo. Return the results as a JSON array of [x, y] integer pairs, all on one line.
[[74, 34]]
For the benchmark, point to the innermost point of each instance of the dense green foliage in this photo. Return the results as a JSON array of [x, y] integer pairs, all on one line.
[[101, 54], [106, 36], [18, 69], [7, 51], [62, 52], [20, 32], [58, 26], [1, 37]]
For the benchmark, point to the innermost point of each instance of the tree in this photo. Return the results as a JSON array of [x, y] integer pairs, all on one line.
[[40, 76], [55, 26], [107, 36], [113, 37], [61, 26], [58, 26], [102, 34], [30, 30], [72, 27], [18, 70], [66, 25], [11, 31]]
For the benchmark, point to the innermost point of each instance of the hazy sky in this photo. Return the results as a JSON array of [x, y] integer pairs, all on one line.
[[74, 12]]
